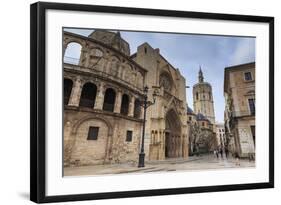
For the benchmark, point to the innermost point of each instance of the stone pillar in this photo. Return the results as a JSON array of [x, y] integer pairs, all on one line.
[[181, 145], [86, 57], [64, 48], [76, 93], [131, 106], [99, 97], [118, 99]]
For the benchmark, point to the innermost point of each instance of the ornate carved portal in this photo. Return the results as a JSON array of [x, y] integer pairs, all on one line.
[[173, 142]]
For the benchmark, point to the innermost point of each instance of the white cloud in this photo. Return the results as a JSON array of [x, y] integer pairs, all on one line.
[[244, 52]]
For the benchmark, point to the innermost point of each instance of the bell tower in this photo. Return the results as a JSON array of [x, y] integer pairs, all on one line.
[[200, 76], [203, 98]]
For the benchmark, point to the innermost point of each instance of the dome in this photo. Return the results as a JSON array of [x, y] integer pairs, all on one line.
[[200, 116], [189, 110]]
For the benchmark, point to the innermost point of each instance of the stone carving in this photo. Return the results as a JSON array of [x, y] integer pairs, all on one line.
[[165, 82]]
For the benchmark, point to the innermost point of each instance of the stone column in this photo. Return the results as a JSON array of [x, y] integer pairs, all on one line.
[[99, 97], [85, 56], [118, 99], [76, 93], [64, 48], [131, 106]]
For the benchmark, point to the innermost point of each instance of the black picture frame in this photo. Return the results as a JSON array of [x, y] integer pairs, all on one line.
[[38, 101]]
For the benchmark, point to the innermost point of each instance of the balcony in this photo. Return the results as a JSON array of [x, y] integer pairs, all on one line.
[[70, 60], [72, 63], [242, 113]]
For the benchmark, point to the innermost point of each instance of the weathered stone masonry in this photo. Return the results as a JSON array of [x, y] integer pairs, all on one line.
[[103, 92]]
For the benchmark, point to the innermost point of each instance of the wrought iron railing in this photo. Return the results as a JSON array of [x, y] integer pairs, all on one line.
[[70, 60], [242, 113]]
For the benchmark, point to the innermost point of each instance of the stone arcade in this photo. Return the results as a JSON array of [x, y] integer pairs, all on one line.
[[103, 91]]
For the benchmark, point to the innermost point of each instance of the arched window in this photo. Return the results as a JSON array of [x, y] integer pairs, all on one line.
[[109, 100], [67, 88], [137, 109], [125, 105], [72, 53], [166, 82], [197, 96], [88, 95]]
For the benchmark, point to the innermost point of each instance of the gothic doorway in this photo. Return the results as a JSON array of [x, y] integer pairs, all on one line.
[[172, 135]]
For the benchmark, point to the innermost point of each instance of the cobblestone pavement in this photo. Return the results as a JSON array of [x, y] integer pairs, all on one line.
[[193, 163]]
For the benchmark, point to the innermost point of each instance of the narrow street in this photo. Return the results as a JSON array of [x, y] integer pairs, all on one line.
[[205, 162]]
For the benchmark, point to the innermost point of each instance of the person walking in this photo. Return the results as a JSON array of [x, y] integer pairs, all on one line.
[[237, 159], [221, 152], [226, 152], [216, 153]]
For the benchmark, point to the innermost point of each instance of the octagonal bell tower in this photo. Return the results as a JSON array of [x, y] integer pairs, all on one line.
[[203, 98]]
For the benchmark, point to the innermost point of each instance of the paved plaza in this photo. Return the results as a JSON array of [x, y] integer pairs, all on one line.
[[206, 162]]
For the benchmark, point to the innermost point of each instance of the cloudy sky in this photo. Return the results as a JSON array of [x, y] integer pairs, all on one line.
[[187, 52]]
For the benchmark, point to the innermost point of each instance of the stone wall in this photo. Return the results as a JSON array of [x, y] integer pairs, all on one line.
[[111, 145], [106, 67], [240, 119]]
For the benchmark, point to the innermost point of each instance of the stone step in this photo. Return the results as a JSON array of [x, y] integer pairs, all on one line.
[[173, 160]]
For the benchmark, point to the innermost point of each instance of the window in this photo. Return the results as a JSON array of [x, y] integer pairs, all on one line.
[[88, 95], [253, 130], [129, 136], [67, 85], [125, 105], [196, 96], [97, 52], [109, 100], [190, 118], [145, 50], [166, 82], [252, 106], [72, 53], [248, 76], [93, 133], [137, 109]]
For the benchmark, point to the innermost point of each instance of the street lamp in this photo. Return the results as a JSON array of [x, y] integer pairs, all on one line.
[[145, 104]]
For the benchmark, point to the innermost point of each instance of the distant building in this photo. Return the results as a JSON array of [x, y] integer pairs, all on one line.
[[239, 93], [202, 136], [220, 134]]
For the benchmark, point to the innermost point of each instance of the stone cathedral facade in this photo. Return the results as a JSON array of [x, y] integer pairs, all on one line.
[[103, 93]]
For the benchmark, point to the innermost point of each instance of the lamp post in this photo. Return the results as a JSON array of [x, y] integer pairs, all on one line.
[[145, 104]]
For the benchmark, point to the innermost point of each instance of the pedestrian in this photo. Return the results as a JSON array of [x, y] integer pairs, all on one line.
[[216, 153], [237, 159], [251, 157], [221, 152], [226, 152]]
